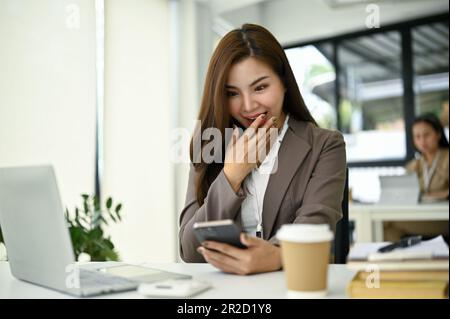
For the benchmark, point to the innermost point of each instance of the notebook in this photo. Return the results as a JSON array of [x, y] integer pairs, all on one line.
[[428, 255]]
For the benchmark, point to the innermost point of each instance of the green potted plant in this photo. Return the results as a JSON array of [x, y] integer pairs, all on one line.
[[86, 227]]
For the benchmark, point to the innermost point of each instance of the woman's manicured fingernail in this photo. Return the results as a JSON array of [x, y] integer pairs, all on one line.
[[263, 115], [200, 250]]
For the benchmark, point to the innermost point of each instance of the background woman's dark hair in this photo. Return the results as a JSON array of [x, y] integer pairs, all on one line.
[[435, 123], [248, 41]]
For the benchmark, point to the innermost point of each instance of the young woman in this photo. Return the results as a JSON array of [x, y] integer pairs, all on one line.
[[432, 166], [250, 85], [432, 169]]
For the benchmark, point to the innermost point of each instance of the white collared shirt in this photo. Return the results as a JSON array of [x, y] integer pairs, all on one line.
[[255, 185]]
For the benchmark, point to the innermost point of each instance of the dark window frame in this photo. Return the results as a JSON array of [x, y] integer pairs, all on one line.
[[407, 73]]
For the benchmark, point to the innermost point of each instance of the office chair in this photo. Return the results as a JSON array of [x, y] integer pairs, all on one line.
[[342, 235]]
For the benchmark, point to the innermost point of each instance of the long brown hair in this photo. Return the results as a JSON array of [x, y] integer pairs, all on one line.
[[248, 41]]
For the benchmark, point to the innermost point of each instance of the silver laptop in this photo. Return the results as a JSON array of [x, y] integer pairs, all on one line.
[[38, 242], [399, 190]]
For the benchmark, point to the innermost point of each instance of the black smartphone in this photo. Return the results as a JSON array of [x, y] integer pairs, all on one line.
[[224, 231]]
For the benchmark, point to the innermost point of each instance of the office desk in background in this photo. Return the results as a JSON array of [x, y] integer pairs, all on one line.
[[225, 286], [369, 218]]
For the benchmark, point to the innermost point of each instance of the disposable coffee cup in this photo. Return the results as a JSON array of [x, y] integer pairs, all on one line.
[[305, 253]]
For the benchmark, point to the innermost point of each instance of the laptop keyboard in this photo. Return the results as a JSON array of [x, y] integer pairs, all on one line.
[[92, 281]]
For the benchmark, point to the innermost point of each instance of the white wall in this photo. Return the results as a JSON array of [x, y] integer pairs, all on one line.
[[137, 123], [248, 14], [301, 20], [188, 93], [47, 90]]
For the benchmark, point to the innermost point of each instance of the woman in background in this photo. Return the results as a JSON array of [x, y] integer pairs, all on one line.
[[432, 169]]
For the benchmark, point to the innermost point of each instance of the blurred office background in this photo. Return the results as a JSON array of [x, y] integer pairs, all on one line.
[[97, 87]]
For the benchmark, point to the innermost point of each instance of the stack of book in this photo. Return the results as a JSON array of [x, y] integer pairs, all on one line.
[[419, 271]]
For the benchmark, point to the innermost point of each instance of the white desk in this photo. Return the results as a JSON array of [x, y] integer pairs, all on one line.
[[225, 286], [369, 218]]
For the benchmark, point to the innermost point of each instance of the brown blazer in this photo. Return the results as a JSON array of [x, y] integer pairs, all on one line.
[[307, 188], [439, 180]]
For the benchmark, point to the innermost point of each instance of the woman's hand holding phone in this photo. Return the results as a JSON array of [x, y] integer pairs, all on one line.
[[260, 256], [246, 152]]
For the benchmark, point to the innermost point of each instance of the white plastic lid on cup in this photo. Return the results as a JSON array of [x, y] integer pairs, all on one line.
[[305, 233]]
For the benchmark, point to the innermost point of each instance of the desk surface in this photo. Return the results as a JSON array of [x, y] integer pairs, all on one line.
[[260, 286], [368, 218], [431, 207]]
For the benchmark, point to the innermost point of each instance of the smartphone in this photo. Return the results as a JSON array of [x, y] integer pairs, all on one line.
[[224, 231]]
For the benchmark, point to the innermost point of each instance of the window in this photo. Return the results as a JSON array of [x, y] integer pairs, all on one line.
[[315, 76], [430, 56], [360, 80], [371, 97]]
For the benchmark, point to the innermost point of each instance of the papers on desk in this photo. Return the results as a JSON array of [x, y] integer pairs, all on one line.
[[428, 255], [419, 271], [432, 200], [434, 248]]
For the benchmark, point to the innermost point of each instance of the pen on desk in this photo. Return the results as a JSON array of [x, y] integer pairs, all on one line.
[[403, 243]]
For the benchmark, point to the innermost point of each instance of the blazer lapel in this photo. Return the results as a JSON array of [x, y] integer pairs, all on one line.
[[291, 154]]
